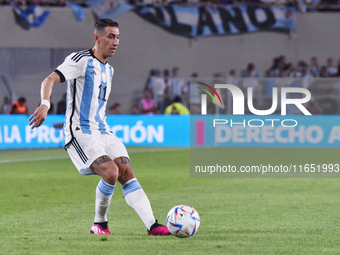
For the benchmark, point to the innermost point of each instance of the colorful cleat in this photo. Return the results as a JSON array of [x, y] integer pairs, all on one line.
[[99, 230], [158, 230]]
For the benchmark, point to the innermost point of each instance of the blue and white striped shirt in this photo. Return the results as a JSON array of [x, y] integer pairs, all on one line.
[[88, 88]]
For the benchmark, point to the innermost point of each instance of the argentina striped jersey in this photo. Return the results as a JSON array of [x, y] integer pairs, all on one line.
[[88, 88]]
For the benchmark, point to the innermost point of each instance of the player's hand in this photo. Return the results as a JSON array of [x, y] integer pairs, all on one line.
[[39, 116]]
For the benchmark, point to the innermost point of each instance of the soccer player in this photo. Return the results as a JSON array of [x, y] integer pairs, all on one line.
[[89, 141]]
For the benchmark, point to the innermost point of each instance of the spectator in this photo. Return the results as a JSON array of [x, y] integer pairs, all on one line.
[[294, 73], [194, 94], [176, 83], [250, 72], [177, 107], [323, 72], [166, 76], [135, 110], [148, 80], [279, 63], [305, 74], [61, 106], [19, 107], [290, 71], [158, 89], [314, 67], [115, 109], [332, 70], [231, 77], [250, 76], [186, 90], [147, 104]]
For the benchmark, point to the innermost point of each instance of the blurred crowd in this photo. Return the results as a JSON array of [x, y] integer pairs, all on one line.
[[165, 91], [168, 92], [19, 106], [281, 67], [312, 75]]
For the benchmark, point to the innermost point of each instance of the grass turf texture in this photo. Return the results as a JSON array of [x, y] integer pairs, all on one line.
[[48, 208]]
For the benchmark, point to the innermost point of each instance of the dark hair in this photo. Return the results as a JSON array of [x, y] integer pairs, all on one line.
[[22, 100], [101, 24], [177, 99], [115, 105]]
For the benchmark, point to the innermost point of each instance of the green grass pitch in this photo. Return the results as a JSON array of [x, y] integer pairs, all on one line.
[[47, 207]]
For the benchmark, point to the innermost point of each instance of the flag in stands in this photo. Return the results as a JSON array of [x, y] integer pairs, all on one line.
[[78, 11], [33, 15], [109, 8]]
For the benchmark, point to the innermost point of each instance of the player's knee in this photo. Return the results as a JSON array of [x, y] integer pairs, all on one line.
[[129, 173], [126, 174], [110, 174]]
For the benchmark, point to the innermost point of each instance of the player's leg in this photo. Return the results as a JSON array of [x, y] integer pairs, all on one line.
[[108, 170], [133, 192], [88, 155], [136, 197]]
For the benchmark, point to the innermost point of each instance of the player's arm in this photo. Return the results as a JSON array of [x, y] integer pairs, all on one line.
[[40, 114]]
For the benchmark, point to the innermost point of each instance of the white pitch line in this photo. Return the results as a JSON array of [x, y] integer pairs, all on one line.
[[31, 159], [131, 151], [157, 149]]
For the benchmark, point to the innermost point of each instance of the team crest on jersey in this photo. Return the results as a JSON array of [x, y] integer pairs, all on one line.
[[103, 77], [91, 152]]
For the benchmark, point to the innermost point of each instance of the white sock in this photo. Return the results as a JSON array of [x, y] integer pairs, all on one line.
[[104, 193], [137, 199]]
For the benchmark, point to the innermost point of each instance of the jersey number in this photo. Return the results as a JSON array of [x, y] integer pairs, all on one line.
[[100, 90]]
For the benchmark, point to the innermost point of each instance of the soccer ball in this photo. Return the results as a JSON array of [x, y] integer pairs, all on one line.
[[183, 221]]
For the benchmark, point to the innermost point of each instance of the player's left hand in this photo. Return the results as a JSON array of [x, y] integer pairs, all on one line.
[[39, 116]]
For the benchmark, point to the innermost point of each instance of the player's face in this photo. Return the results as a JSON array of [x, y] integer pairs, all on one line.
[[109, 41]]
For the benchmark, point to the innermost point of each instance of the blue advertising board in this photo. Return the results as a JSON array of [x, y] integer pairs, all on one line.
[[132, 130], [317, 131], [322, 131]]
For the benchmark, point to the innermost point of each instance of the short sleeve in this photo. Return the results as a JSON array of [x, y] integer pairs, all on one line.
[[71, 68]]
